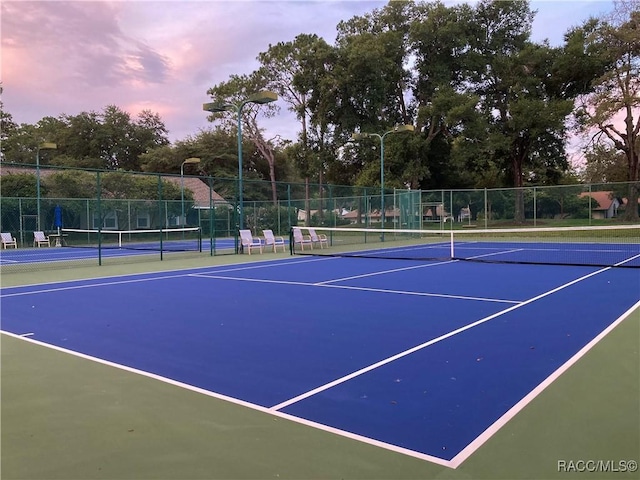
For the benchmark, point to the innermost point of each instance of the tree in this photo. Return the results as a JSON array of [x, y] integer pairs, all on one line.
[[440, 42], [295, 71], [612, 110], [235, 92], [8, 129], [288, 67], [604, 163], [523, 107], [108, 140]]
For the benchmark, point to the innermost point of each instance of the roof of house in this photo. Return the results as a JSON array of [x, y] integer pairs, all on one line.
[[604, 199], [389, 212], [200, 191], [4, 169]]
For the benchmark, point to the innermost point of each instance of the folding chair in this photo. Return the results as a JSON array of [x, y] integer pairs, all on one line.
[[8, 240], [249, 242], [318, 238], [39, 239], [271, 240], [299, 238]]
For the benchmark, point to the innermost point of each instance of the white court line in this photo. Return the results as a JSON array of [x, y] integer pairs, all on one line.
[[502, 252], [90, 285], [177, 274], [422, 294], [239, 402], [254, 267], [387, 360], [454, 463], [513, 411], [528, 249], [347, 287], [384, 272]]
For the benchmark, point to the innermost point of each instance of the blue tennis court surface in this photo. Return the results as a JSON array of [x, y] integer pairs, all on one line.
[[424, 358]]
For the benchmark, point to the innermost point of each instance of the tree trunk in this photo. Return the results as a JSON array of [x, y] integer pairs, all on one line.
[[307, 204], [518, 157], [631, 209], [519, 193], [272, 176], [321, 196]]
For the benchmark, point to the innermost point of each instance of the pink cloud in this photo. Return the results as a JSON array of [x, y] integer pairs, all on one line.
[[73, 56]]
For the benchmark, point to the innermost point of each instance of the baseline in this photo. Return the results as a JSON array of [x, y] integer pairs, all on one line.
[[148, 276], [236, 401]]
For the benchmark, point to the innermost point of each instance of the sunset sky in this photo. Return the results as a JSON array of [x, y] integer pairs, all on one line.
[[66, 57]]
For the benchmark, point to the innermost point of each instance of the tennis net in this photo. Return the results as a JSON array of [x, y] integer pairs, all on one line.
[[168, 240], [599, 246]]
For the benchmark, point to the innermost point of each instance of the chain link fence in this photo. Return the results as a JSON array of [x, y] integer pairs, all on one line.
[[54, 199]]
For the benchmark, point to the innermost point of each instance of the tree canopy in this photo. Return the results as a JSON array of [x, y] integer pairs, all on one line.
[[491, 107]]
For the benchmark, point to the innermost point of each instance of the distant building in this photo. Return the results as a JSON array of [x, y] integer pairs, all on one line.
[[606, 204]]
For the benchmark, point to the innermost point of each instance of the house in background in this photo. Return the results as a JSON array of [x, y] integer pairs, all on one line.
[[603, 204], [200, 191], [139, 218], [391, 215]]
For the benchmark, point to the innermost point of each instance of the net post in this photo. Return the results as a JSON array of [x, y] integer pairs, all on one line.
[[452, 251], [291, 245], [289, 209]]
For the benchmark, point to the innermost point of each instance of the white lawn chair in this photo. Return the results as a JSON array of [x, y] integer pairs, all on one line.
[[271, 240], [248, 242], [302, 240], [318, 238], [39, 239], [8, 240]]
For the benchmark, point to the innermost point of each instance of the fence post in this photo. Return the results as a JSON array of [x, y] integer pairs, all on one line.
[[212, 219], [486, 208], [289, 206], [535, 208]]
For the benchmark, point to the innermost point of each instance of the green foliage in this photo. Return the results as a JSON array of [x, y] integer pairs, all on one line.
[[561, 202], [616, 90], [107, 140], [605, 164], [278, 219], [72, 184], [489, 104], [19, 185]]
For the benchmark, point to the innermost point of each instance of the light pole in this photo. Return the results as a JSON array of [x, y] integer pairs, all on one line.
[[42, 146], [360, 136], [188, 161], [262, 97]]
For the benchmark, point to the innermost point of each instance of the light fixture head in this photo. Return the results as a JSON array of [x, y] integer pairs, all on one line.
[[217, 107], [264, 96]]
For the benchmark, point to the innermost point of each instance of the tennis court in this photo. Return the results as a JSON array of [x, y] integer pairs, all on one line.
[[427, 358], [68, 253]]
